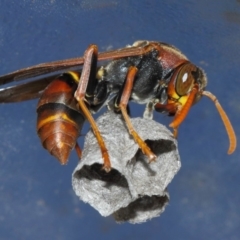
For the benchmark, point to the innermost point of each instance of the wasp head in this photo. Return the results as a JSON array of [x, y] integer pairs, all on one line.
[[186, 79], [186, 87]]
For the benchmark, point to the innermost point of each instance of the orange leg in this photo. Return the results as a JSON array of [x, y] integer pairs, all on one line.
[[90, 63], [171, 108], [175, 132], [123, 107], [78, 150]]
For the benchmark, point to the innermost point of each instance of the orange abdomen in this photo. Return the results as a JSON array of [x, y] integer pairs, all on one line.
[[59, 121]]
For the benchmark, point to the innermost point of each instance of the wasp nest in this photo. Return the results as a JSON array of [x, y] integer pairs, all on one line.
[[133, 190]]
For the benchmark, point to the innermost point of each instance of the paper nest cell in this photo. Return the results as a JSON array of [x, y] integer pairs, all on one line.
[[134, 190]]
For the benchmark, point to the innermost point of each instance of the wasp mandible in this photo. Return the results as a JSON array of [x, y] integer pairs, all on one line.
[[152, 73]]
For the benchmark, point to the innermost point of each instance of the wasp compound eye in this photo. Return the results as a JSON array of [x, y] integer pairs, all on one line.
[[184, 80]]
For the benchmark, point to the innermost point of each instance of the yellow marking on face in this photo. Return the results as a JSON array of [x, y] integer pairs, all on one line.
[[183, 100], [175, 98], [174, 95]]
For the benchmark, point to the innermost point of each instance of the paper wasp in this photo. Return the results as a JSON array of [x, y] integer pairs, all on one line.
[[152, 73]]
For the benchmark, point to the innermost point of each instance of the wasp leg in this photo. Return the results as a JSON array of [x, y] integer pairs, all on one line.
[[78, 150], [175, 132], [148, 112], [170, 108], [127, 89], [86, 82]]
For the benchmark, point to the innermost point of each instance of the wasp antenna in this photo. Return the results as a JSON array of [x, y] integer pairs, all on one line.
[[226, 121], [182, 113]]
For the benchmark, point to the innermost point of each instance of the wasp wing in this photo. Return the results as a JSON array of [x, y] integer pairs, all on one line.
[[40, 69], [25, 91], [46, 68], [33, 89]]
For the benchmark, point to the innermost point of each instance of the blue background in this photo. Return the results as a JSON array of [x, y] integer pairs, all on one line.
[[36, 196]]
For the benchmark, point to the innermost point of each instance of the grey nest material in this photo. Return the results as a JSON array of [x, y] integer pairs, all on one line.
[[134, 190]]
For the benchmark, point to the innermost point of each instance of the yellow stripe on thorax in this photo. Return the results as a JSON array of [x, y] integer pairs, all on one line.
[[75, 76]]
